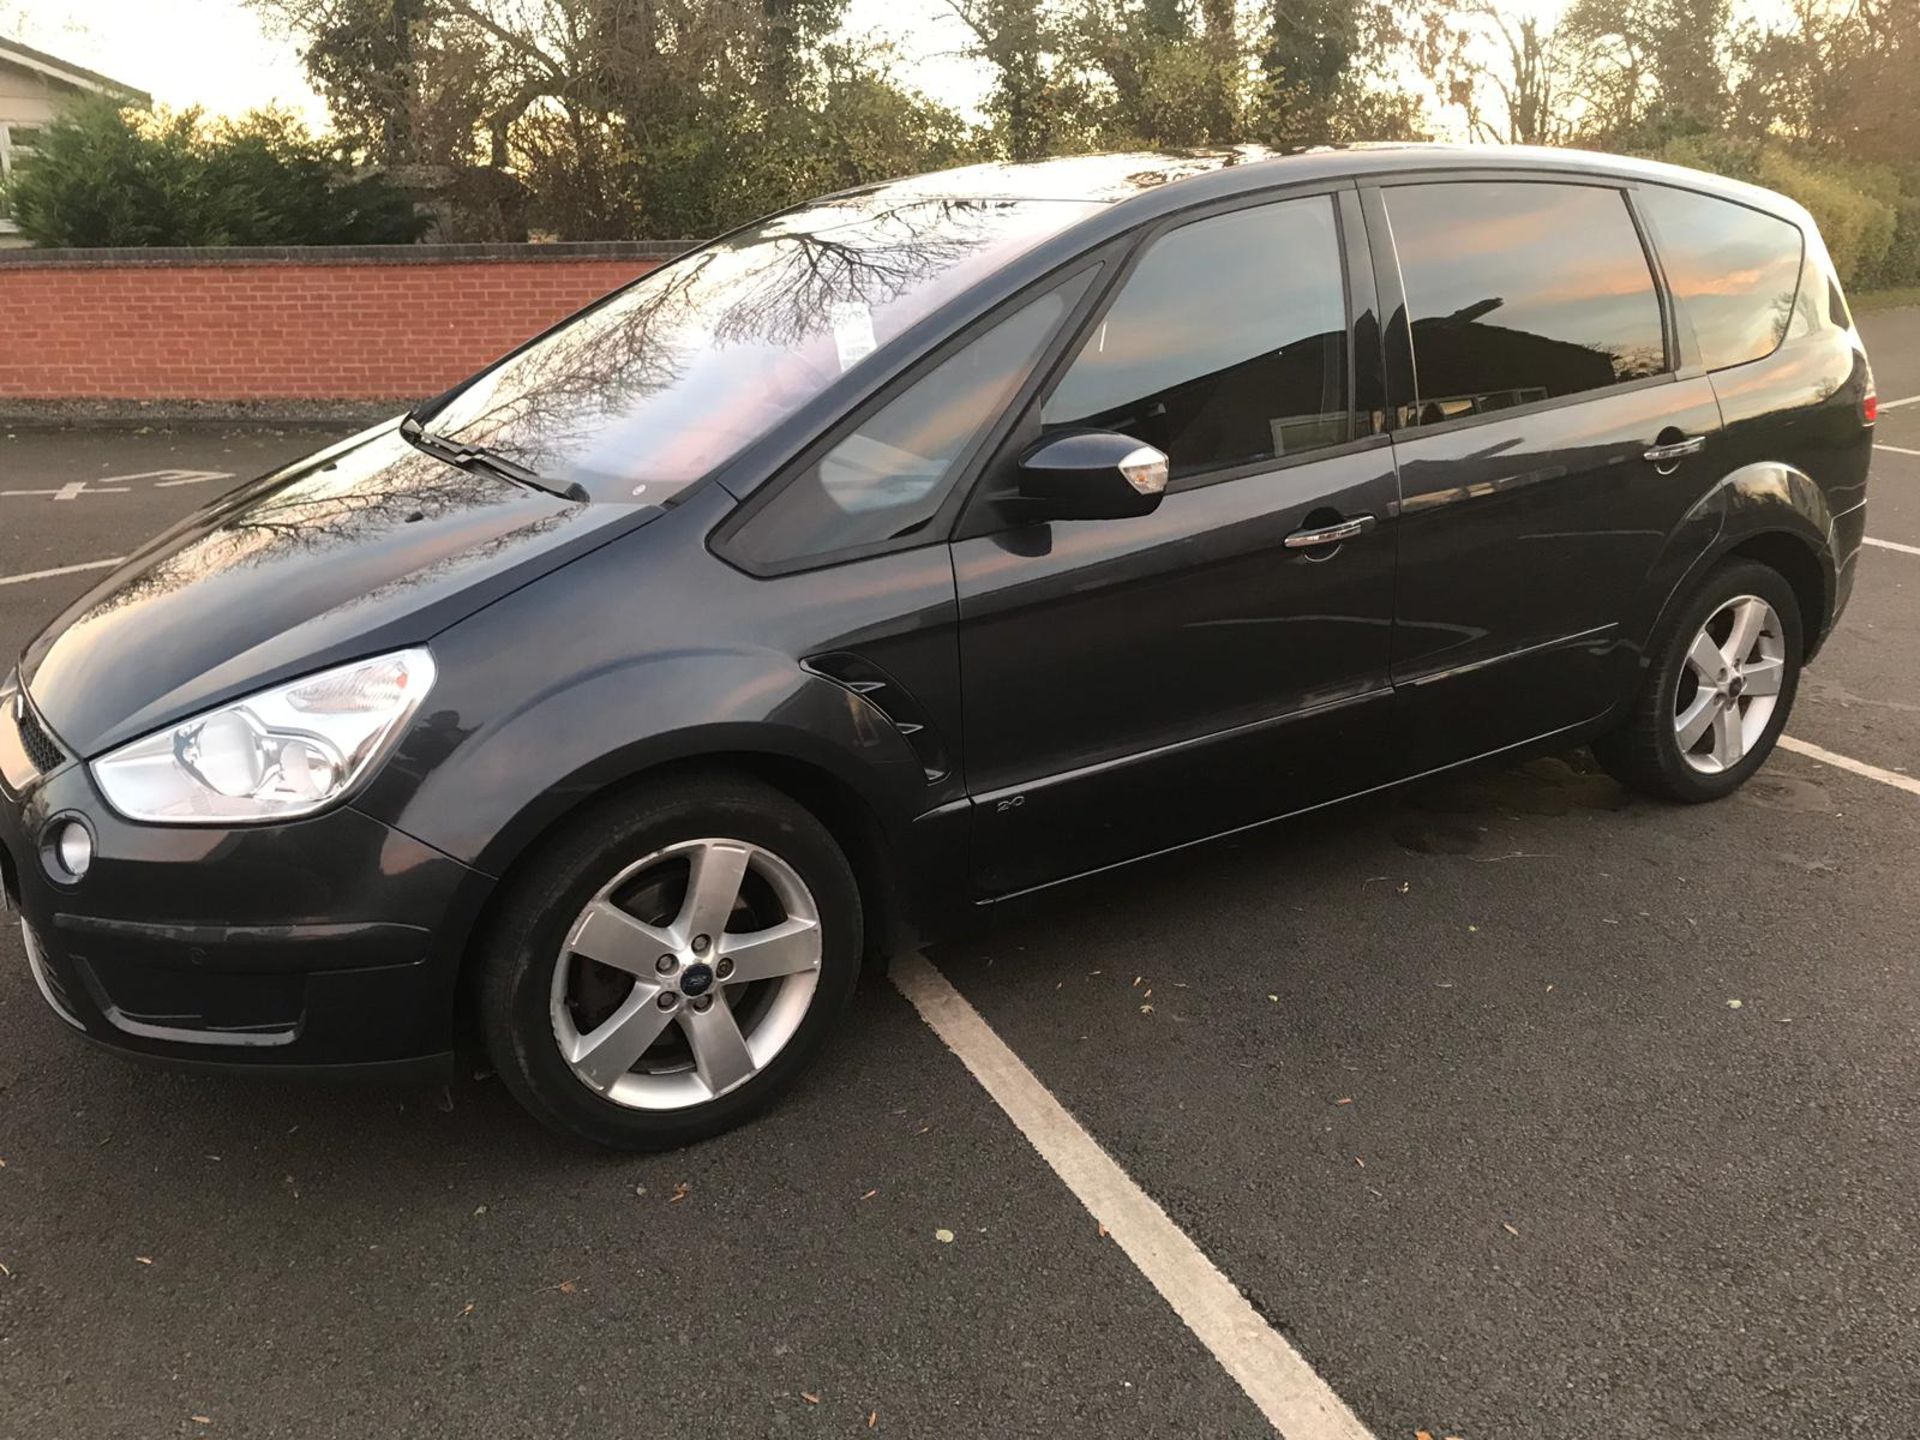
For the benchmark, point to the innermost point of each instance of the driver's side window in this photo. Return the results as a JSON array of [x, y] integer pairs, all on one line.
[[1226, 345], [890, 475]]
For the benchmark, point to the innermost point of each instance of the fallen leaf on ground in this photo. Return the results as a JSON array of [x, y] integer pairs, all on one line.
[[144, 1259], [809, 1397], [1103, 1232], [566, 1287], [944, 1236], [1358, 1161], [1733, 1004], [1344, 1100], [680, 1192], [873, 1418], [1146, 1009], [467, 1309], [1508, 1228], [870, 1194], [201, 1419]]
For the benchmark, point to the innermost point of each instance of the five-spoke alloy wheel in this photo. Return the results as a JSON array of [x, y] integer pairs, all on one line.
[[1720, 681], [1731, 683], [661, 1011], [672, 962]]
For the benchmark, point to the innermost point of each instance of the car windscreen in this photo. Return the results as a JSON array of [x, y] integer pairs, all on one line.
[[676, 374]]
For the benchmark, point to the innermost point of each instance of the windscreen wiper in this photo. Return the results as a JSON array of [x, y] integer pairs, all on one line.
[[479, 457]]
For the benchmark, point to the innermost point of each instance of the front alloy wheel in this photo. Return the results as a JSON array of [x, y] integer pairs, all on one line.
[[686, 975], [667, 965]]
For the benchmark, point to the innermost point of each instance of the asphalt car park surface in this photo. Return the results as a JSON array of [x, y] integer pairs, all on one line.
[[1521, 1107]]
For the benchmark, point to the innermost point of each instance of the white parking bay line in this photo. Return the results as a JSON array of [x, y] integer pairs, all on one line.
[[1891, 545], [1895, 449], [61, 570], [1896, 404], [1847, 762], [1295, 1400]]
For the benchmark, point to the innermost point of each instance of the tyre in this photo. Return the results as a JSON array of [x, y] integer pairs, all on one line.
[[671, 964], [1723, 673]]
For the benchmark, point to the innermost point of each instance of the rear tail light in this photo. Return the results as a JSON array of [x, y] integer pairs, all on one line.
[[1870, 408]]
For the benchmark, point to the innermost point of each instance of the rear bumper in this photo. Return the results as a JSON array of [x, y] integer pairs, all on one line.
[[324, 946]]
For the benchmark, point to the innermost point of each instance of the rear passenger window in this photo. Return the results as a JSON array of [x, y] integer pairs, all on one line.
[[1733, 271], [1522, 291], [1227, 344]]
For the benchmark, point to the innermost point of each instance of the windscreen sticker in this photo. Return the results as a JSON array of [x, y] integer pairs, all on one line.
[[852, 332]]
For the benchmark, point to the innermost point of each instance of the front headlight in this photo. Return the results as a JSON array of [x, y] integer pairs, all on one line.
[[282, 753]]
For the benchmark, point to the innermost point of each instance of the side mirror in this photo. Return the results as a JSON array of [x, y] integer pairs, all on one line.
[[1094, 475]]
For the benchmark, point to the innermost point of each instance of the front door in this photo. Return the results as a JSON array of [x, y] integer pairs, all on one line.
[[1132, 685]]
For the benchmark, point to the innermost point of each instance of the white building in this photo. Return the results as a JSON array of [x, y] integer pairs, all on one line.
[[34, 86]]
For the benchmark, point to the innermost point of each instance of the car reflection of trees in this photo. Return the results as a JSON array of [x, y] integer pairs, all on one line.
[[332, 508], [776, 287], [1280, 402], [1494, 367]]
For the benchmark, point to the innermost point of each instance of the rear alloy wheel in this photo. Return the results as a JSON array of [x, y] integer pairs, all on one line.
[[669, 966], [1728, 689], [1721, 680]]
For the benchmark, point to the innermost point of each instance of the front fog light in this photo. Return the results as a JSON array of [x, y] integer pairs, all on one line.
[[70, 855]]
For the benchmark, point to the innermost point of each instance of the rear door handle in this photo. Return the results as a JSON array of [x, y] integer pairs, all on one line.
[[1330, 534], [1678, 450]]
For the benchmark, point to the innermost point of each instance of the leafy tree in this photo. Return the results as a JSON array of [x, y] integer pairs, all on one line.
[[1651, 70], [1332, 71], [615, 118], [105, 176]]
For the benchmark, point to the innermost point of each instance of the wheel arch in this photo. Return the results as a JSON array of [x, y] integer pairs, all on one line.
[[1772, 513], [833, 800], [1795, 560]]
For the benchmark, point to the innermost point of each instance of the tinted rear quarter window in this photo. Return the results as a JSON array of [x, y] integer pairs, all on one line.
[[1520, 291], [1733, 271]]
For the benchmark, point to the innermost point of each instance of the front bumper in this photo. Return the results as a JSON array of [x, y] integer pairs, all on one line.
[[326, 944]]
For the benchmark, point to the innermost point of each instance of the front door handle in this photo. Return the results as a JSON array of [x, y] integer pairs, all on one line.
[[1330, 534], [1678, 450]]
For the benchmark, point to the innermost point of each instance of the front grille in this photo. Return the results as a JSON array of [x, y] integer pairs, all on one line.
[[42, 749]]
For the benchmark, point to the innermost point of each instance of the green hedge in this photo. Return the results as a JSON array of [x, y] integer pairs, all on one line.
[[1869, 214]]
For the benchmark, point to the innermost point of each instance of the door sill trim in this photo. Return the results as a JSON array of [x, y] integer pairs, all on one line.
[[991, 900]]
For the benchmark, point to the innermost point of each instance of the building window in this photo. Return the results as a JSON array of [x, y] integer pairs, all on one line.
[[17, 144]]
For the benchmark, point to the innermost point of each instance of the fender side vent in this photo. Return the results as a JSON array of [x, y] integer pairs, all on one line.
[[892, 699]]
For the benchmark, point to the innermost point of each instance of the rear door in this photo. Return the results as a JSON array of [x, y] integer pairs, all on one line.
[[1130, 685], [1548, 448]]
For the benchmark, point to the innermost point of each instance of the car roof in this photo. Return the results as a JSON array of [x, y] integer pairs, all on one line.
[[1152, 181]]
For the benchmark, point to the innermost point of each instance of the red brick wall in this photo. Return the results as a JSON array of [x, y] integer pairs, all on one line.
[[357, 325]]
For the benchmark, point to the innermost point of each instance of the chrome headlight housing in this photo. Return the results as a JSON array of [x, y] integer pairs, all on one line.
[[278, 755]]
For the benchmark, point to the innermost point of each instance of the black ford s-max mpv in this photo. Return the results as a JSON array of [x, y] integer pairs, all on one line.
[[917, 548]]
